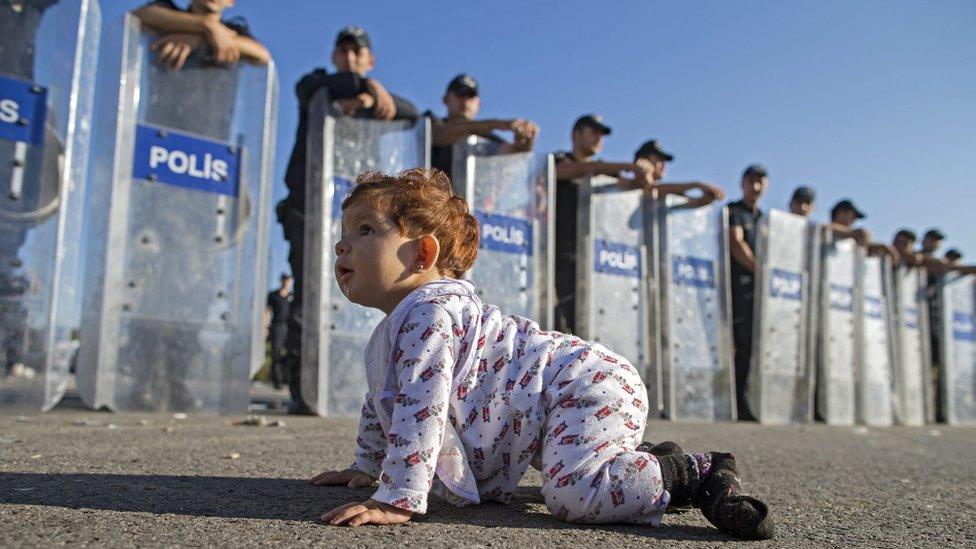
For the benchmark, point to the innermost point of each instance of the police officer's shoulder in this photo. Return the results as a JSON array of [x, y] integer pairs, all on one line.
[[434, 119], [316, 75], [562, 156], [310, 82]]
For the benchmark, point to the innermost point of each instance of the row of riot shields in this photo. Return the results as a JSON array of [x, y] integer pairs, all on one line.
[[839, 334], [47, 65], [652, 285]]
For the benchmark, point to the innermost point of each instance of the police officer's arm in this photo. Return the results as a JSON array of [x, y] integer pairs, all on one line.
[[384, 107], [221, 38], [739, 249], [936, 265], [452, 131], [573, 169], [405, 110], [911, 259], [880, 249], [252, 50], [861, 235], [709, 193]]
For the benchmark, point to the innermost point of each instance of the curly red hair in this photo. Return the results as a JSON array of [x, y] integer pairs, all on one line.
[[421, 201]]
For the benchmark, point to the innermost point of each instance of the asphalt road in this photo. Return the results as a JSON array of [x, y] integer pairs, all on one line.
[[73, 477]]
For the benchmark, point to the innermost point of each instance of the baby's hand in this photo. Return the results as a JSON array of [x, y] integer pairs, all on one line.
[[348, 477], [367, 512]]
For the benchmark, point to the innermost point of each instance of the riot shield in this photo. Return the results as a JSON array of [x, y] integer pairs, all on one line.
[[176, 271], [511, 196], [697, 381], [336, 330], [958, 373], [781, 377], [875, 348], [839, 308], [48, 54], [913, 366], [611, 290]]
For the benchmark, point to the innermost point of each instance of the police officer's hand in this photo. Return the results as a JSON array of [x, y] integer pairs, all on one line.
[[385, 108], [223, 40], [350, 105], [173, 49], [644, 173], [346, 477], [525, 131], [711, 191], [862, 236]]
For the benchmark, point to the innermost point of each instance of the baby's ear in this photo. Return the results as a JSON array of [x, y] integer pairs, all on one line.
[[429, 251]]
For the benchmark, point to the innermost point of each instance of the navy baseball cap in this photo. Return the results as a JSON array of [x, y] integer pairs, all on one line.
[[594, 121], [355, 33], [934, 233], [848, 206], [757, 170], [804, 195], [463, 84], [907, 233], [653, 147]]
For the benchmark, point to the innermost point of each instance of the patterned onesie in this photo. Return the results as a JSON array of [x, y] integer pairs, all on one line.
[[462, 399]]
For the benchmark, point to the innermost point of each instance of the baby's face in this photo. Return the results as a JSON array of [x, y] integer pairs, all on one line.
[[373, 260]]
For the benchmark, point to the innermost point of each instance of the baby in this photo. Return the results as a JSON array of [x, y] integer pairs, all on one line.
[[462, 399]]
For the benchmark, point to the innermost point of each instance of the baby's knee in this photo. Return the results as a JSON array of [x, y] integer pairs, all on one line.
[[571, 497]]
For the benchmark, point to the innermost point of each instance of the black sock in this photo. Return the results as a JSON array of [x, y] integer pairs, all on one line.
[[682, 475], [665, 448]]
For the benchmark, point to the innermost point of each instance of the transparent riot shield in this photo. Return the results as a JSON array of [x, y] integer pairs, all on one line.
[[336, 330], [781, 377], [911, 326], [176, 270], [511, 196], [839, 300], [611, 290], [696, 359], [460, 151], [876, 346], [48, 54], [958, 373]]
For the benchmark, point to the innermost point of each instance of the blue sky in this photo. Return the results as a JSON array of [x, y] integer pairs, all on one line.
[[868, 100]]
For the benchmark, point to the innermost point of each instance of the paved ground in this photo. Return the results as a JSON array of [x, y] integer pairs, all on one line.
[[87, 478]]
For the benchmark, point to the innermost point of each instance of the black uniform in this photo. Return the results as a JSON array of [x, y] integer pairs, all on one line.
[[932, 297], [277, 333], [291, 210], [743, 297], [567, 204]]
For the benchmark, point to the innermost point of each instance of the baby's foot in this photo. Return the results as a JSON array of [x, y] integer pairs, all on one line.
[[665, 448], [724, 504]]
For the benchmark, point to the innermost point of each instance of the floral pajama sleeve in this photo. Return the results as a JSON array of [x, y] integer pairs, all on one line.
[[424, 357]]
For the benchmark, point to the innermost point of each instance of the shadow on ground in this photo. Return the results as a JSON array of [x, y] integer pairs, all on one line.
[[278, 499]]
